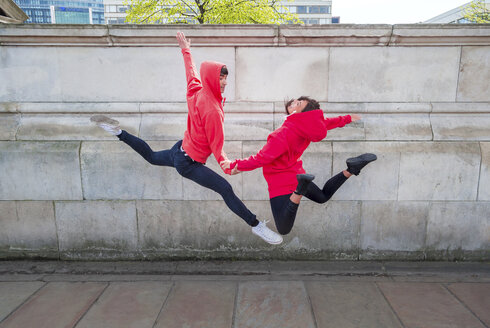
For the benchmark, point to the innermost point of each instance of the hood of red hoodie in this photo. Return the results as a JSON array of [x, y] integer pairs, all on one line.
[[210, 72], [309, 125]]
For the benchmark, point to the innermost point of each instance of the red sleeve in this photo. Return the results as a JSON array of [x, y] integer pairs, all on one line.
[[193, 82], [337, 122], [274, 148], [214, 129]]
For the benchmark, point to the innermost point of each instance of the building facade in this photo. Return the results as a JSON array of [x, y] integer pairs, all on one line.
[[63, 12], [454, 16]]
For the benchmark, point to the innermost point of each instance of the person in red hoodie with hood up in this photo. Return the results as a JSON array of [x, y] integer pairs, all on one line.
[[283, 168], [204, 136]]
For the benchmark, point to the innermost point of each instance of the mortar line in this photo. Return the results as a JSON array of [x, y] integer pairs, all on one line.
[[479, 173], [359, 232], [235, 302], [91, 305], [463, 303], [426, 230], [315, 323], [56, 227], [80, 166], [137, 224], [459, 71], [23, 303], [163, 304], [328, 70], [389, 304]]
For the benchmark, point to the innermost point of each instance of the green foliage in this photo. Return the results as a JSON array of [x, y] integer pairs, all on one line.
[[208, 12], [477, 12]]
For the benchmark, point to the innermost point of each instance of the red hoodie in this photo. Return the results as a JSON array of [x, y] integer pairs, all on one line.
[[205, 133], [280, 157]]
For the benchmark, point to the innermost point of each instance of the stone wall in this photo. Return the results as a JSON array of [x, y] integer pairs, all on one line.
[[70, 191]]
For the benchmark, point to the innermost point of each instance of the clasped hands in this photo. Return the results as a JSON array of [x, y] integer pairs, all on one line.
[[225, 166]]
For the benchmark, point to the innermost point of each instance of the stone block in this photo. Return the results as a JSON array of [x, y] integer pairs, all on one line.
[[9, 124], [458, 226], [378, 180], [163, 107], [40, 171], [13, 294], [28, 227], [70, 127], [460, 107], [474, 74], [317, 160], [376, 107], [351, 131], [112, 170], [41, 66], [484, 182], [163, 126], [391, 229], [466, 127], [397, 126], [248, 107], [87, 228], [78, 107], [305, 73], [254, 185], [116, 73], [439, 171], [256, 126], [398, 74], [194, 191]]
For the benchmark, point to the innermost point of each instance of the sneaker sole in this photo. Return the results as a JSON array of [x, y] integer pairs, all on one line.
[[364, 158], [103, 119]]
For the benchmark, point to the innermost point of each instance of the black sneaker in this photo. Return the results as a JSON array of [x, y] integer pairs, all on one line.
[[303, 182], [355, 164]]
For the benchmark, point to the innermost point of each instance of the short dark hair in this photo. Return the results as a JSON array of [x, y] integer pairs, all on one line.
[[312, 104], [224, 71]]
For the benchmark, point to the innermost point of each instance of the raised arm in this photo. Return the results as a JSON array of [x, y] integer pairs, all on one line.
[[193, 82]]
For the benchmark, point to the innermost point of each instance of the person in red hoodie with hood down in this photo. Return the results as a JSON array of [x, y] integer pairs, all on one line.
[[283, 168], [204, 136]]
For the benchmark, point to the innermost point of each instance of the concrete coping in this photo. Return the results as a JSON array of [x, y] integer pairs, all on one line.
[[246, 35]]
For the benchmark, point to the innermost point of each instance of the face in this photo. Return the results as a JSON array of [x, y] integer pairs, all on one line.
[[222, 82], [297, 106]]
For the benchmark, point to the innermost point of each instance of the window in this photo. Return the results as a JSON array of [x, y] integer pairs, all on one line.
[[122, 9], [301, 9]]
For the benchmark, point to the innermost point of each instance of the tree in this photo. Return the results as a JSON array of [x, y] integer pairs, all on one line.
[[209, 12], [477, 12]]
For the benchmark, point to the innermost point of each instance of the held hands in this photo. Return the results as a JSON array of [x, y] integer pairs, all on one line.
[[225, 166], [183, 42], [355, 117]]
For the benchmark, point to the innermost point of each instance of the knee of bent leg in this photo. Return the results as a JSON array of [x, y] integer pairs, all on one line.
[[225, 189], [284, 230]]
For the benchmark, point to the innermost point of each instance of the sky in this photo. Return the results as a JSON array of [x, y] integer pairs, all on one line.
[[391, 11]]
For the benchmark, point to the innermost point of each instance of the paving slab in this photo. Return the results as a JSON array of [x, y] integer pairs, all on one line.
[[12, 294], [199, 304], [270, 304], [476, 297], [127, 304], [427, 305], [350, 304], [59, 304]]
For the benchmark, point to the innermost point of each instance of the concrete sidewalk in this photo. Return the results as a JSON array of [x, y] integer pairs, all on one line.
[[244, 294]]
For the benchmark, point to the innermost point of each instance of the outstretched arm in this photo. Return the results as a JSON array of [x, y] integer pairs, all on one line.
[[193, 82]]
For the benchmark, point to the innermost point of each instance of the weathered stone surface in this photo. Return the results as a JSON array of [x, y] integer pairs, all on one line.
[[391, 227], [352, 131], [376, 107], [398, 74], [427, 305], [96, 226], [127, 304], [474, 74], [40, 171], [304, 73], [439, 171], [199, 304], [77, 107], [163, 126], [459, 226], [254, 184], [55, 306], [378, 180], [69, 127], [317, 160], [461, 126], [194, 191], [28, 227], [248, 107], [474, 296], [460, 107], [112, 170], [273, 304], [484, 182], [13, 294], [397, 127], [256, 126], [343, 304], [8, 126]]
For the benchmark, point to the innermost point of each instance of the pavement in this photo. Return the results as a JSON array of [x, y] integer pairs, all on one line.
[[244, 294]]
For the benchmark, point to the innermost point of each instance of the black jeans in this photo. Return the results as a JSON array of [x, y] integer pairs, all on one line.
[[284, 210], [192, 170]]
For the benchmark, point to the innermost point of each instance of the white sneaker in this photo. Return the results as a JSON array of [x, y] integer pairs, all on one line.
[[106, 123], [267, 234]]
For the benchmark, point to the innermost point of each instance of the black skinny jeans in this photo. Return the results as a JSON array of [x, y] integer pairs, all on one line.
[[192, 170], [284, 210]]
